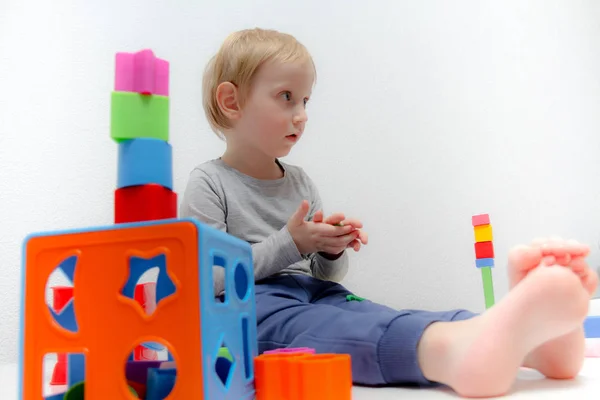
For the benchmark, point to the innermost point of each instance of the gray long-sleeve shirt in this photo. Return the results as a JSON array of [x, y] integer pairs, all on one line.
[[257, 211]]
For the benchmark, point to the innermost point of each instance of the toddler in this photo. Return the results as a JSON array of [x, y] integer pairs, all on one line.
[[255, 92]]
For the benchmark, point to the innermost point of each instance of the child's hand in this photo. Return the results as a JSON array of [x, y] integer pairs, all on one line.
[[313, 237], [340, 220]]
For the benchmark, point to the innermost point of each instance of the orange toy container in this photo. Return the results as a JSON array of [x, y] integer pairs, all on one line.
[[109, 325], [302, 376]]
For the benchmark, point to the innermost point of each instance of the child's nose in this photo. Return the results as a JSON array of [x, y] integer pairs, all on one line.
[[300, 116]]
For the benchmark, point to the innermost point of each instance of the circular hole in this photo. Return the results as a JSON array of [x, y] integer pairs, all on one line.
[[241, 281]]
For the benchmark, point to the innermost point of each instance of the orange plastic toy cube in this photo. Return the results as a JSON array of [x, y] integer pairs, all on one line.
[[109, 324], [303, 376]]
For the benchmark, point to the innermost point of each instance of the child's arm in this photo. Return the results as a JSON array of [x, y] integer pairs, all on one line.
[[204, 200], [330, 267]]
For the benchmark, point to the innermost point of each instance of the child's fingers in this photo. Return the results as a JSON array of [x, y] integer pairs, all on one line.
[[340, 242], [353, 221], [354, 245], [334, 219], [328, 230], [364, 238], [318, 217]]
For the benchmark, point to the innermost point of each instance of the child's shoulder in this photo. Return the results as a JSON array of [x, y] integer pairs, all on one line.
[[210, 167], [208, 172]]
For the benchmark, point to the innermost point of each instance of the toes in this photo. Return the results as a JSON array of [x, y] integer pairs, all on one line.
[[591, 282], [577, 249], [589, 277], [525, 257], [562, 250], [552, 247]]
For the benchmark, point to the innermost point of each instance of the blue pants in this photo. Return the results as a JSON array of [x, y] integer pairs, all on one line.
[[301, 311]]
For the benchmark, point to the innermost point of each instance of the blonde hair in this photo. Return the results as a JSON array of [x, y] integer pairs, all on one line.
[[238, 60]]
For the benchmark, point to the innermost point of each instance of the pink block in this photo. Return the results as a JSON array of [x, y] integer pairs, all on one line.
[[141, 72], [481, 219], [302, 350]]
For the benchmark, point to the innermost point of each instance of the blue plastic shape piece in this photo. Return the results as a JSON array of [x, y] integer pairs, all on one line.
[[160, 383], [145, 161], [591, 327], [484, 262]]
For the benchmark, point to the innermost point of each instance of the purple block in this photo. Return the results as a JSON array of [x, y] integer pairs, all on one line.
[[293, 350], [141, 72], [137, 371]]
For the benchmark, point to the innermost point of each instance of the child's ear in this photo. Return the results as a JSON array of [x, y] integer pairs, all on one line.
[[227, 96]]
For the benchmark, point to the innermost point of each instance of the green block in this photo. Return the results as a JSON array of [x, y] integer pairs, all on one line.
[[224, 353], [134, 115], [488, 286], [352, 297], [75, 392]]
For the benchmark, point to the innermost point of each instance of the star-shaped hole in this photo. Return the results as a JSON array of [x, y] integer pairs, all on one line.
[[148, 295]]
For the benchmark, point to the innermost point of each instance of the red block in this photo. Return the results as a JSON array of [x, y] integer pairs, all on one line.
[[144, 203], [484, 250], [481, 219]]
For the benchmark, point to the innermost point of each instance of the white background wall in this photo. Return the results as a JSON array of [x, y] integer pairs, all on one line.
[[425, 113]]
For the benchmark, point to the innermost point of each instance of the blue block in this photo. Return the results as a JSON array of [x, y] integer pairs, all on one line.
[[145, 161], [160, 383], [591, 326], [484, 262]]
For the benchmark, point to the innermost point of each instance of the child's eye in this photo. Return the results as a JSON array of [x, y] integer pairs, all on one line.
[[287, 96]]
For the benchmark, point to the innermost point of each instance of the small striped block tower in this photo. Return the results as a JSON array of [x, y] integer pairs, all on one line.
[[484, 254], [140, 126]]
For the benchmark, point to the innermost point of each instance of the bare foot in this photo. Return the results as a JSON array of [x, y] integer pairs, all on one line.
[[552, 251], [560, 358], [480, 357]]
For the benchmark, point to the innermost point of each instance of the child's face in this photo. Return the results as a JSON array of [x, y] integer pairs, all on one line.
[[274, 114]]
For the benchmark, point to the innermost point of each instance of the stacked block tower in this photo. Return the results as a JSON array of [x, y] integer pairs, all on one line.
[[140, 126], [102, 322], [484, 254]]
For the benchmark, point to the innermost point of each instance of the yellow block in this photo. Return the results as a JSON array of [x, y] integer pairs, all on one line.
[[483, 233]]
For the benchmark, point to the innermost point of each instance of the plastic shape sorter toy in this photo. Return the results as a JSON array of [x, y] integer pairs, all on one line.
[[103, 324], [99, 323]]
